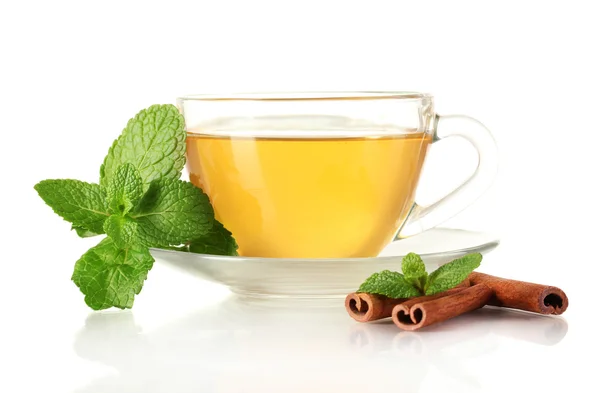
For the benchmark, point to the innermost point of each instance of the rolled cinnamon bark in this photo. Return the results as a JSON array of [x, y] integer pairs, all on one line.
[[421, 311], [365, 307], [542, 299]]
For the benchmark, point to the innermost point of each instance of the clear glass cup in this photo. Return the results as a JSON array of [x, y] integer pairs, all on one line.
[[326, 174]]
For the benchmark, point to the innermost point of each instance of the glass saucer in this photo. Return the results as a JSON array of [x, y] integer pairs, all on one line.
[[324, 278]]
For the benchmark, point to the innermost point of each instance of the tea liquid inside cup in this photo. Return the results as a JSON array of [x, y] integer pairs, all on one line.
[[309, 198]]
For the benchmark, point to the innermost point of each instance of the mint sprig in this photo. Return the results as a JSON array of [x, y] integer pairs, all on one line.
[[415, 281], [390, 284], [139, 203]]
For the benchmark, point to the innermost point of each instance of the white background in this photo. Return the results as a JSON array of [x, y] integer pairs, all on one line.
[[73, 73]]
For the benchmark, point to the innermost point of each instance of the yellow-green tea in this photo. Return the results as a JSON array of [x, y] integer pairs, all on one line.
[[313, 198]]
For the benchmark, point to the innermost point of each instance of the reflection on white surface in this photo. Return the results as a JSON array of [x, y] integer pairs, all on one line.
[[268, 346]]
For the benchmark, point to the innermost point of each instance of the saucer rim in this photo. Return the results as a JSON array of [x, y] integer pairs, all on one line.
[[482, 247]]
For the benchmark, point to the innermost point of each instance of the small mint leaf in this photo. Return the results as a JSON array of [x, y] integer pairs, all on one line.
[[390, 284], [413, 266], [218, 241], [111, 276], [121, 229], [414, 270], [451, 274], [83, 232], [153, 142], [173, 212], [82, 204], [124, 190]]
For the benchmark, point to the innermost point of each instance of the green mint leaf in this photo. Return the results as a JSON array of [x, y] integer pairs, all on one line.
[[413, 266], [173, 212], [111, 276], [390, 284], [124, 190], [121, 229], [153, 142], [83, 232], [218, 241], [414, 270], [82, 204], [451, 274]]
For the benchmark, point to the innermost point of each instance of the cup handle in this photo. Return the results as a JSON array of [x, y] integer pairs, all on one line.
[[422, 218]]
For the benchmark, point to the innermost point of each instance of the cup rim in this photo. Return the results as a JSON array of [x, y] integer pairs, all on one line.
[[307, 96]]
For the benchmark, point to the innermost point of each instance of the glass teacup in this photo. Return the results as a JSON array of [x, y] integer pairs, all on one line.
[[324, 175]]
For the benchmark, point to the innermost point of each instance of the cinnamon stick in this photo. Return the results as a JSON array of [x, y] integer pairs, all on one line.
[[542, 299], [424, 311], [365, 307]]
